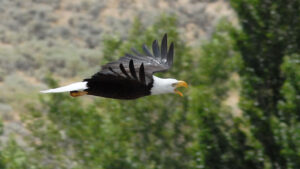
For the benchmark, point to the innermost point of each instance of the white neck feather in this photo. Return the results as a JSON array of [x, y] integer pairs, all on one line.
[[161, 86]]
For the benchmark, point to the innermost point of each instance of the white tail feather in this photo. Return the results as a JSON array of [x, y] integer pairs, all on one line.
[[68, 88]]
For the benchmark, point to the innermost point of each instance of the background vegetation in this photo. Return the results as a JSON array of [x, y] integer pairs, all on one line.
[[241, 110]]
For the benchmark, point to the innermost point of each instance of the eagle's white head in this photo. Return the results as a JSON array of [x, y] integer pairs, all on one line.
[[161, 86]]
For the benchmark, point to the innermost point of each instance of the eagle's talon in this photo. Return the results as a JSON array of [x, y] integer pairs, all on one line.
[[78, 93]]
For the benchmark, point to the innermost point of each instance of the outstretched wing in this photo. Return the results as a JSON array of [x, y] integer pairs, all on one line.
[[140, 66]]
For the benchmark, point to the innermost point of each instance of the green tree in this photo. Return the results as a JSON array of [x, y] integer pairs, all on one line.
[[287, 127], [221, 142], [270, 30]]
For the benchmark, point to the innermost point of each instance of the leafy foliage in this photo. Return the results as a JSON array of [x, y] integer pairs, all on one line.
[[270, 30], [13, 156]]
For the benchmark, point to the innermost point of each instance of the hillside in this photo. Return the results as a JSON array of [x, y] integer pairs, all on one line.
[[64, 38]]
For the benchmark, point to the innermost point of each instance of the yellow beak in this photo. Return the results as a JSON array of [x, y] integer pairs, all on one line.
[[180, 84]]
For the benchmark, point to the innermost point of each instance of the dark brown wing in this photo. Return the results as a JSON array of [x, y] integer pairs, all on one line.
[[141, 66]]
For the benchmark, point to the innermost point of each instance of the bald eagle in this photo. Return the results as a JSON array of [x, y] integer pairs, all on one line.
[[131, 76]]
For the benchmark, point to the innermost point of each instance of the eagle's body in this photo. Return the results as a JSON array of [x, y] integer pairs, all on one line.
[[130, 77], [117, 88]]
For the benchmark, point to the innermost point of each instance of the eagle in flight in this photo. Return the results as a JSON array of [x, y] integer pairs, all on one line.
[[131, 76]]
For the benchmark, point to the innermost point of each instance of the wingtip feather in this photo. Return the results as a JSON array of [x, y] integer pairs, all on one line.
[[146, 50], [164, 46], [170, 54], [155, 49]]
